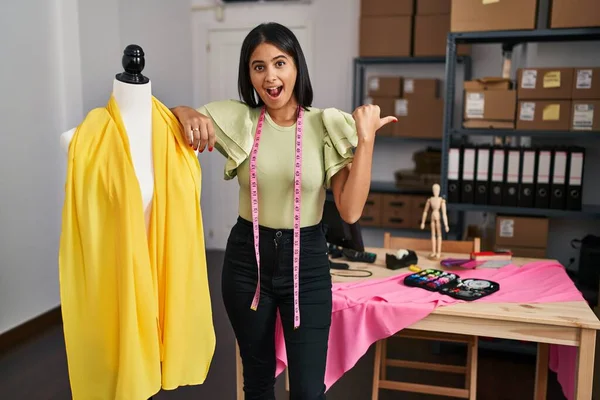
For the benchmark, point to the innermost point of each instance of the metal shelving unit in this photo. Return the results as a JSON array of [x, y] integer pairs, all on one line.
[[586, 212], [360, 66], [391, 188], [586, 135], [452, 132], [361, 63]]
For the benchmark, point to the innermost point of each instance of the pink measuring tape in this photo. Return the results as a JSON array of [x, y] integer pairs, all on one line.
[[297, 193]]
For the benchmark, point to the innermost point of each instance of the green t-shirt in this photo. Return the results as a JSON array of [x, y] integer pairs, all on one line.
[[328, 140]]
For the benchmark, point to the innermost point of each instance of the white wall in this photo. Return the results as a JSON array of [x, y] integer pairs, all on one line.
[[30, 186], [58, 62]]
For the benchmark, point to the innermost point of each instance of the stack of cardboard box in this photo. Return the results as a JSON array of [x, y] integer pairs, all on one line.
[[432, 25], [386, 28], [544, 96], [383, 91], [420, 110], [416, 103], [499, 15], [585, 114], [404, 28], [558, 99], [523, 236], [489, 103]]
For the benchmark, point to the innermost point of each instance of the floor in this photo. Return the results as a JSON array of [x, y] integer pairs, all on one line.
[[37, 370]]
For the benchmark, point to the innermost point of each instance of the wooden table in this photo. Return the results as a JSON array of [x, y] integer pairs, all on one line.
[[565, 323]]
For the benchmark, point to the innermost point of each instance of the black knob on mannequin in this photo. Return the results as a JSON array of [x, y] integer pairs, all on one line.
[[133, 63]]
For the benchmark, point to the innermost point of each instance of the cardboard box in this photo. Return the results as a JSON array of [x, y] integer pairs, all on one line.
[[420, 117], [384, 86], [385, 36], [433, 7], [545, 115], [521, 231], [431, 32], [493, 108], [488, 83], [545, 83], [585, 115], [575, 13], [586, 83], [386, 8], [386, 106], [482, 15], [428, 88], [489, 104]]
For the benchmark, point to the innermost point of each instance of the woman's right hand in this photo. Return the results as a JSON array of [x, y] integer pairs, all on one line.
[[197, 127]]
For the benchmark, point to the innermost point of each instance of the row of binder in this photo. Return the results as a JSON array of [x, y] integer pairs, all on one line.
[[540, 177]]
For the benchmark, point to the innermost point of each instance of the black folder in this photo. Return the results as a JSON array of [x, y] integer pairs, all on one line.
[[575, 167], [558, 181], [542, 177], [510, 191], [527, 178], [497, 175], [483, 162]]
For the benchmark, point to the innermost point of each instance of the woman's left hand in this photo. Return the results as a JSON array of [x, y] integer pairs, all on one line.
[[368, 120]]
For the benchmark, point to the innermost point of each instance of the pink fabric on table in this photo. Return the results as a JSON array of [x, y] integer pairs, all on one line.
[[370, 310]]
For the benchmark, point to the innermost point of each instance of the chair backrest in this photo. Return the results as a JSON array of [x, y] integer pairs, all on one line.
[[449, 246]]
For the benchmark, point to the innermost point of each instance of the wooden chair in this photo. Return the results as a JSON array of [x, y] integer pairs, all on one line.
[[382, 361]]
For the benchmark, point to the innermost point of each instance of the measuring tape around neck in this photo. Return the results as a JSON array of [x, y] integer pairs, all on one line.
[[297, 196]]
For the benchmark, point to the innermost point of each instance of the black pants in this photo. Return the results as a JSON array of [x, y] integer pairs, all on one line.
[[255, 330]]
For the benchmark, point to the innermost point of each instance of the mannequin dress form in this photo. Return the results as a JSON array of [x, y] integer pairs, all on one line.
[[133, 94]]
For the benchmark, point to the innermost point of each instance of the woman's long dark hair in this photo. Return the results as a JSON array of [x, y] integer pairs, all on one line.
[[284, 39]]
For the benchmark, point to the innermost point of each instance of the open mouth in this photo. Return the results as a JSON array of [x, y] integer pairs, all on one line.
[[275, 92]]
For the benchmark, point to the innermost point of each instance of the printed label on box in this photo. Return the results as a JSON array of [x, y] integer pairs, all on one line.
[[583, 117], [374, 84], [475, 105], [409, 86], [527, 111], [529, 79], [401, 108], [507, 228], [552, 79], [584, 79]]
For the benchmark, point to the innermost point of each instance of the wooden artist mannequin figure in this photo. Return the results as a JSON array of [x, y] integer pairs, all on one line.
[[437, 205]]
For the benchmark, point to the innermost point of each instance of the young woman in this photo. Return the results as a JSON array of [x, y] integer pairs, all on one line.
[[276, 257]]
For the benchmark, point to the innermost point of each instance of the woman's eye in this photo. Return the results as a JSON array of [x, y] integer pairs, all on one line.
[[280, 63], [258, 68]]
